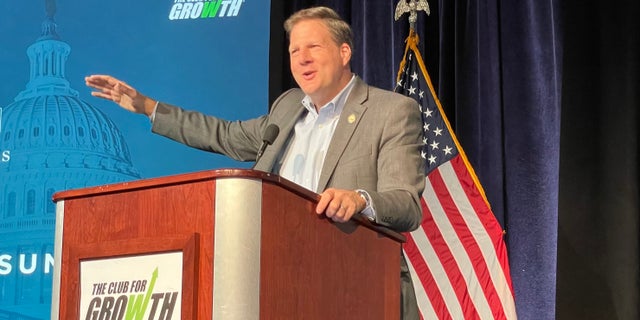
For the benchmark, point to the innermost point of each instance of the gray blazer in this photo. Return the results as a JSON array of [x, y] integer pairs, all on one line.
[[376, 147]]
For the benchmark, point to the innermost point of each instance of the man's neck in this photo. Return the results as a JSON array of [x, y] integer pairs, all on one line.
[[344, 80]]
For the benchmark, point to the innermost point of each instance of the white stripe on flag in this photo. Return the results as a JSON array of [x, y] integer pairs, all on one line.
[[453, 242], [433, 261], [421, 295], [482, 239]]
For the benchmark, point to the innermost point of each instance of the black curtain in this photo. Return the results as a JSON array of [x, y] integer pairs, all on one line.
[[507, 73], [598, 267]]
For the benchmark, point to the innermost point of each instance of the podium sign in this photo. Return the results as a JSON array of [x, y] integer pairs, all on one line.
[[138, 287]]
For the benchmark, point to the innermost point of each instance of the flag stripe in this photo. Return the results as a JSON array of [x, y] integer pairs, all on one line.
[[420, 274], [437, 288], [448, 221], [476, 241], [497, 286]]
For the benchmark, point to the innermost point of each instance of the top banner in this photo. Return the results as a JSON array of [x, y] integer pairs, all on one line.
[[205, 55]]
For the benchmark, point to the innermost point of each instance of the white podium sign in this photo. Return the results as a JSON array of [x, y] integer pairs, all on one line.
[[136, 287]]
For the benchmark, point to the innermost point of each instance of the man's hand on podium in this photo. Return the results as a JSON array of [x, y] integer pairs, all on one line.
[[340, 205]]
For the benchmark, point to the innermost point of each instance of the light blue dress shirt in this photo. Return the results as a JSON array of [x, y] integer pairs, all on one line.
[[303, 159]]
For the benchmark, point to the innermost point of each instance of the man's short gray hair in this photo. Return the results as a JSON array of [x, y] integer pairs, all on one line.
[[340, 30]]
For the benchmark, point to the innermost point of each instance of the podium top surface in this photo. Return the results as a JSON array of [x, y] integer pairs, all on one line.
[[183, 179], [210, 175]]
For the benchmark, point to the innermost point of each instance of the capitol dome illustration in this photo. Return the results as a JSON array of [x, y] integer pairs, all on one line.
[[50, 140]]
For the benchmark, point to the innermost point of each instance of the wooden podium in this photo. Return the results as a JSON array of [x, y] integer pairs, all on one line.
[[249, 243]]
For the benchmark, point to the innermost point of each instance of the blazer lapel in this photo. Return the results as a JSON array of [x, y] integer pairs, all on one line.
[[350, 117]]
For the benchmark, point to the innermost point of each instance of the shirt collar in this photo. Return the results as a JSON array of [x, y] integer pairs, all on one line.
[[336, 104]]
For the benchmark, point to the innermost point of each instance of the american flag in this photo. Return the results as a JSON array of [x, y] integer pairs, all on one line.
[[457, 258]]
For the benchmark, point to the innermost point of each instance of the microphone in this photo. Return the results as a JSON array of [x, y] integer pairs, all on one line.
[[268, 138]]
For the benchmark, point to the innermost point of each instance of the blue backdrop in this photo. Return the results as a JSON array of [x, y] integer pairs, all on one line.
[[204, 55]]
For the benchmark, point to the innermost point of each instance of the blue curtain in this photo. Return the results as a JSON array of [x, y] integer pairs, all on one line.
[[500, 70]]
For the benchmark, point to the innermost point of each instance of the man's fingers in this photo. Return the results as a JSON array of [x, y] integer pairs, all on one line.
[[342, 214], [325, 199], [101, 94], [337, 205], [99, 81], [125, 89]]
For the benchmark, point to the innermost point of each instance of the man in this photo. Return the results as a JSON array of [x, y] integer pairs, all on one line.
[[357, 145]]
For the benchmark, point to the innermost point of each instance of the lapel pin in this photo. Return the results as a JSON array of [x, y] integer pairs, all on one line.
[[352, 118]]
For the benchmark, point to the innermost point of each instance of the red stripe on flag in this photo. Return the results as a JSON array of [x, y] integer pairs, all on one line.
[[491, 225], [442, 249], [423, 272], [426, 278], [465, 233], [491, 233]]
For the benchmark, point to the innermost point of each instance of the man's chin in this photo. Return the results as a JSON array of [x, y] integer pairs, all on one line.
[[308, 89]]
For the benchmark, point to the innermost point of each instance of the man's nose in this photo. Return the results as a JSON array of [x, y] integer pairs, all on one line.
[[304, 56]]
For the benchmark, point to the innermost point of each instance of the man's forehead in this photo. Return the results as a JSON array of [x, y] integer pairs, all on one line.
[[303, 32]]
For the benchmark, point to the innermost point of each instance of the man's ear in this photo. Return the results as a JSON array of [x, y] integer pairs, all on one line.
[[345, 53]]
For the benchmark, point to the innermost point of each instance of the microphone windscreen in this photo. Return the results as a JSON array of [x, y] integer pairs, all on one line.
[[271, 133]]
